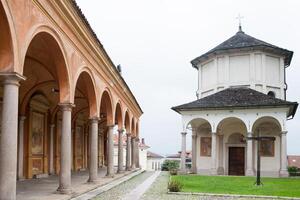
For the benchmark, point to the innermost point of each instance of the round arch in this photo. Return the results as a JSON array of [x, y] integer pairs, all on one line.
[[43, 40], [198, 122], [127, 121], [85, 83], [8, 48], [118, 115], [267, 122], [133, 127], [234, 124], [106, 109]]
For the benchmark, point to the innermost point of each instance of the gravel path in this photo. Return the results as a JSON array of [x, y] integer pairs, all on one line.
[[118, 192], [158, 191]]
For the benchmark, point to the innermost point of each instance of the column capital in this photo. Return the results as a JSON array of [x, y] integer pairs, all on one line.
[[249, 133], [94, 119], [284, 132], [183, 133], [66, 106], [111, 125], [128, 134], [121, 131], [11, 78], [194, 135], [214, 133], [52, 125]]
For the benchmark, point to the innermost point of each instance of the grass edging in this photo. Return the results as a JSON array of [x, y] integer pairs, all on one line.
[[232, 195]]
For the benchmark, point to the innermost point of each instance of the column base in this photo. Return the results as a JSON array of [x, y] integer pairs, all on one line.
[[213, 172], [220, 170], [182, 171], [92, 181], [250, 172], [120, 171], [283, 173], [110, 175], [64, 190], [128, 169]]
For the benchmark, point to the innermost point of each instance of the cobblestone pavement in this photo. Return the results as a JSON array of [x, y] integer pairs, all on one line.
[[118, 192], [158, 191]]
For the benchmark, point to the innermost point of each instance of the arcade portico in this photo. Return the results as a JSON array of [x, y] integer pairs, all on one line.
[[62, 98]]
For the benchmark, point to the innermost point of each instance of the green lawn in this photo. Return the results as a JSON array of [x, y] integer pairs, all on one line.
[[288, 187]]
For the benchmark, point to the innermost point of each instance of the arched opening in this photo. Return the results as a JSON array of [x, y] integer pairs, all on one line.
[[118, 116], [45, 85], [202, 148], [127, 122], [272, 94], [232, 146], [85, 108], [270, 151], [6, 49], [106, 119]]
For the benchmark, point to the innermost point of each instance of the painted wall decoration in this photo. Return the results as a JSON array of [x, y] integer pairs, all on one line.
[[205, 146]]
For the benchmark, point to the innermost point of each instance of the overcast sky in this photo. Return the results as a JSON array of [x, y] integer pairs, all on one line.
[[155, 41]]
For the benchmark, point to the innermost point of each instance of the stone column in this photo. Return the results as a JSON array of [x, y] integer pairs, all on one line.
[[65, 150], [213, 170], [283, 169], [250, 170], [93, 167], [51, 159], [128, 151], [183, 152], [133, 160], [21, 148], [110, 151], [9, 135], [120, 151], [137, 153], [221, 156], [194, 152]]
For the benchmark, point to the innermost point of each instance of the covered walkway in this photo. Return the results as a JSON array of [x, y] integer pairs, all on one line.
[[45, 188]]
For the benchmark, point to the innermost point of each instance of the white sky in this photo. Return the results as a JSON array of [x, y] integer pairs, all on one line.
[[155, 41]]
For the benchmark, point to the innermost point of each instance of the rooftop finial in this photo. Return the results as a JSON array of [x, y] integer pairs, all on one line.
[[239, 17]]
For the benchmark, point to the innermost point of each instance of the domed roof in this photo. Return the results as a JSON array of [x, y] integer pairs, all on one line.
[[242, 41]]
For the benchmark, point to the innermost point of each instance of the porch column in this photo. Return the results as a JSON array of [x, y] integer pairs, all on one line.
[[93, 167], [51, 169], [221, 159], [194, 152], [213, 170], [183, 152], [110, 151], [21, 148], [283, 170], [249, 170], [128, 151], [120, 151], [137, 152], [133, 160], [65, 152], [9, 135]]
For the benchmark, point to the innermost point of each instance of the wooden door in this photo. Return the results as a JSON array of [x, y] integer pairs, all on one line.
[[237, 161]]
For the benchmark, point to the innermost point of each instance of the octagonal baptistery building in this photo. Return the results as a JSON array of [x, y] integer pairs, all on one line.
[[61, 98], [241, 96]]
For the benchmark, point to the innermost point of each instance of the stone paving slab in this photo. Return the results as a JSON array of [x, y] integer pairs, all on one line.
[[141, 189], [45, 188], [99, 190]]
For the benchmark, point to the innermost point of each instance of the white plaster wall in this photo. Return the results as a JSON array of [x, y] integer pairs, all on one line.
[[143, 158], [257, 70], [154, 162]]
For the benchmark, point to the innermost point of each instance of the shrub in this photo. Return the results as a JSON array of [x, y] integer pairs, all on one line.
[[169, 165], [174, 186], [293, 171], [173, 172]]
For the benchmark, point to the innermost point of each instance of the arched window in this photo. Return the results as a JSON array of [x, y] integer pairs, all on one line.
[[271, 94]]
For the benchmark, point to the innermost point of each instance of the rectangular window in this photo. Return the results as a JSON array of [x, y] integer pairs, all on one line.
[[267, 148], [205, 146]]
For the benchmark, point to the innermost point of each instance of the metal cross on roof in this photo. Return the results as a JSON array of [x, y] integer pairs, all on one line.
[[259, 138], [239, 17]]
